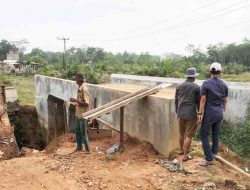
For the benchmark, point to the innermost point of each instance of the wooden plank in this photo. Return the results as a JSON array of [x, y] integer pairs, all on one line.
[[65, 118], [101, 121], [217, 157], [126, 102], [115, 101], [121, 126]]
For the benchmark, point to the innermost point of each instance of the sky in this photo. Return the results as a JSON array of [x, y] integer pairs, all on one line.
[[154, 26]]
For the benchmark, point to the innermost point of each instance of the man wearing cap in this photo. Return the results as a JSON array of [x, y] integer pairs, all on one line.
[[214, 93], [82, 105], [187, 98]]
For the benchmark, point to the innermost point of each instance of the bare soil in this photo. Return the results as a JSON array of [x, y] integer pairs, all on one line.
[[59, 167]]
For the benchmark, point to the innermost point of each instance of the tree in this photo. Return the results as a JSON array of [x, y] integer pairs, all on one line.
[[94, 55], [37, 59], [5, 47]]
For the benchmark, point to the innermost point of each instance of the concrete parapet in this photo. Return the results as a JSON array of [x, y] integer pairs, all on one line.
[[238, 100]]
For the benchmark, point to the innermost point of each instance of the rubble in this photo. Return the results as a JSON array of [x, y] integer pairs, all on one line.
[[172, 166]]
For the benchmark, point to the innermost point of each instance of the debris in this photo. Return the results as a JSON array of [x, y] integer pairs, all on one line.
[[113, 149], [172, 166], [4, 142], [11, 140], [246, 169]]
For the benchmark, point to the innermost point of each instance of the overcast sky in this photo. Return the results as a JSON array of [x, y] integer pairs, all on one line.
[[155, 26]]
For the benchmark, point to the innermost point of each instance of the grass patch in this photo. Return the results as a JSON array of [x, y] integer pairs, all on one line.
[[244, 77], [25, 86]]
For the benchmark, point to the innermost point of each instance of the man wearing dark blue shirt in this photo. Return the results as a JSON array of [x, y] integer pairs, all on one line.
[[214, 93]]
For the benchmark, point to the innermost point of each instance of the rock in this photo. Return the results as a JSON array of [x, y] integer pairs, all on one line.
[[90, 184], [240, 187], [209, 186], [175, 161], [102, 186], [138, 186], [35, 151]]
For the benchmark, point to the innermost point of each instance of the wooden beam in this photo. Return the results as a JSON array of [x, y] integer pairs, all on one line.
[[115, 101], [3, 94], [121, 126], [125, 102], [66, 127], [219, 158], [101, 121]]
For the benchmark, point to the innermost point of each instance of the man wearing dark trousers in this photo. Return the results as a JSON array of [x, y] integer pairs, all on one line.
[[214, 93], [187, 98], [82, 105]]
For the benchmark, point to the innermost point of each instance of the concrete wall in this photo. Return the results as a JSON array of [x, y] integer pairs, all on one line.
[[151, 119], [45, 86], [238, 100]]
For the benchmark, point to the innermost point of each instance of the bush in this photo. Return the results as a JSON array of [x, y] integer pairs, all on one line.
[[237, 138]]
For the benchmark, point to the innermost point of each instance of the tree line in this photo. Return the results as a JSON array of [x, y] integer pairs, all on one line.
[[98, 64]]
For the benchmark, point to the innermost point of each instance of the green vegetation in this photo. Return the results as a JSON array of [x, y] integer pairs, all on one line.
[[25, 86], [237, 137]]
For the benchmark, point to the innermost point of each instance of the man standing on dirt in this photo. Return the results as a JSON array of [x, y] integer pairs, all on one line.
[[187, 98], [82, 105], [214, 93]]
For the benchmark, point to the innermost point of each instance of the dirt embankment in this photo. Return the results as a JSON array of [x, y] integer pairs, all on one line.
[[27, 128]]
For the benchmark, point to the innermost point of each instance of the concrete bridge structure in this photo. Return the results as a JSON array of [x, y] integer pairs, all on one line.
[[150, 119]]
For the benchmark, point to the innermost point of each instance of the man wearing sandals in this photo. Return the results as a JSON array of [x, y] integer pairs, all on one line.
[[82, 105], [187, 98], [214, 93]]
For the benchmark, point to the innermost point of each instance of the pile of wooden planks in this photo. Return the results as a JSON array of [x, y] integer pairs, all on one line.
[[123, 101]]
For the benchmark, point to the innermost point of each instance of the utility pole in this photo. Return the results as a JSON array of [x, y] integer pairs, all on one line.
[[64, 54]]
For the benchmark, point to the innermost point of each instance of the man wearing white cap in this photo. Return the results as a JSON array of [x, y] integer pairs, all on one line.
[[187, 99], [214, 93]]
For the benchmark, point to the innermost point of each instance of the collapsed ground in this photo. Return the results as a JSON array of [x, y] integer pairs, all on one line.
[[58, 167]]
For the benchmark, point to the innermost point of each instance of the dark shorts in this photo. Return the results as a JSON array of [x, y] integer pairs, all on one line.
[[188, 127]]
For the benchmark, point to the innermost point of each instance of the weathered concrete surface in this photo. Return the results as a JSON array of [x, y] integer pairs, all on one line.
[[45, 86], [151, 119], [238, 100]]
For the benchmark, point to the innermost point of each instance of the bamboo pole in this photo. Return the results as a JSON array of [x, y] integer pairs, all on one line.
[[107, 124], [116, 101], [219, 158]]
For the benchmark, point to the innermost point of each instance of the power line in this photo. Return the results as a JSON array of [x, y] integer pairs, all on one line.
[[178, 16], [226, 26], [187, 22], [64, 54]]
